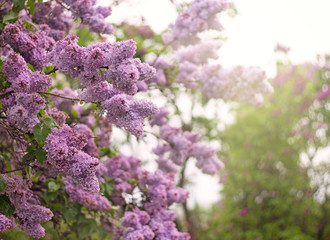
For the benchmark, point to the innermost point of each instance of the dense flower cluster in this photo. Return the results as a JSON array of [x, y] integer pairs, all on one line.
[[121, 169], [65, 155], [91, 15], [32, 46], [28, 214], [23, 102], [54, 16], [93, 201], [129, 113], [157, 191], [98, 63], [155, 222], [6, 223]]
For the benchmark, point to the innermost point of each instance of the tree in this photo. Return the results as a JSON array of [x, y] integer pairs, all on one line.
[[274, 186]]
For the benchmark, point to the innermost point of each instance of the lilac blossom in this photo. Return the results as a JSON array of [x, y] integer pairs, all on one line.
[[93, 201], [198, 17], [121, 169], [159, 119], [27, 214], [33, 47], [91, 15], [65, 155], [239, 83], [6, 223], [124, 111]]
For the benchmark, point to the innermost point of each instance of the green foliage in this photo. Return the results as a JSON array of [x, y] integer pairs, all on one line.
[[6, 206], [40, 133], [2, 184], [267, 192]]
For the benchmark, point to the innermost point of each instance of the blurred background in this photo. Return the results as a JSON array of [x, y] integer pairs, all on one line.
[[276, 181]]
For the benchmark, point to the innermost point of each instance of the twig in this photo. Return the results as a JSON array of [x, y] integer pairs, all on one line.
[[14, 170], [159, 53], [60, 96], [191, 226], [60, 2]]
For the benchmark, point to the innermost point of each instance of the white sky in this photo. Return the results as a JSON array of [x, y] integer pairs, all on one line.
[[302, 25]]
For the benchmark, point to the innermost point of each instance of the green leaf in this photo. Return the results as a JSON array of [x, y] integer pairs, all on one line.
[[50, 196], [84, 226], [83, 230], [74, 113], [18, 5], [10, 17], [37, 132], [53, 187], [30, 67], [41, 155], [40, 133], [29, 137], [50, 122], [30, 26], [31, 5], [30, 153], [6, 206], [133, 180], [70, 214], [108, 189], [2, 184]]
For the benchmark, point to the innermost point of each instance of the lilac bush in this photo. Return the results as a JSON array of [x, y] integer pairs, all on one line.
[[61, 96]]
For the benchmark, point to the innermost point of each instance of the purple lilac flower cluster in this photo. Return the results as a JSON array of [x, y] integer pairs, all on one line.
[[90, 147], [238, 83], [179, 146], [155, 222], [28, 214], [98, 63], [158, 193], [194, 57], [6, 223], [54, 16], [121, 169], [65, 155], [58, 116], [33, 47], [125, 111], [198, 17], [23, 102], [91, 15], [93, 201]]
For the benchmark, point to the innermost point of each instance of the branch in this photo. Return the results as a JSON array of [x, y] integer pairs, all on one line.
[[191, 226], [14, 170], [160, 53], [60, 3], [60, 96]]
